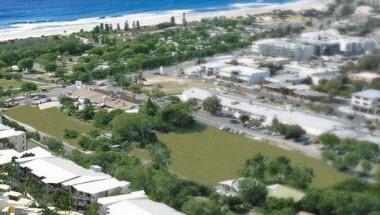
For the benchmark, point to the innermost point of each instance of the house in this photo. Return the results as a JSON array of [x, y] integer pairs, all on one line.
[[244, 73], [367, 101], [368, 77], [16, 138], [136, 203], [228, 187]]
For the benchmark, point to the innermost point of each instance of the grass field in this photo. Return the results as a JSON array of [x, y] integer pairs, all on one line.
[[5, 84], [50, 121], [209, 156]]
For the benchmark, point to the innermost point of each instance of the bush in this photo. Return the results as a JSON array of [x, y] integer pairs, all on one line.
[[70, 133]]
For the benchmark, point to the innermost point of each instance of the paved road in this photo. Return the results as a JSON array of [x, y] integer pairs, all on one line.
[[310, 150]]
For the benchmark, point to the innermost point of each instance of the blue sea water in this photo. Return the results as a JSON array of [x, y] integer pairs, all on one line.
[[31, 11]]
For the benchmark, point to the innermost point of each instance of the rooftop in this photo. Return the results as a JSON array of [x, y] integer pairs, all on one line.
[[371, 94], [101, 186], [136, 203]]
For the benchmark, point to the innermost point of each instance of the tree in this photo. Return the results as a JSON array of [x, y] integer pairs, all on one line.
[[70, 133], [254, 168], [244, 118], [50, 66], [28, 86], [92, 209], [102, 118], [25, 64], [212, 105], [201, 207], [126, 26], [176, 116], [149, 108], [87, 113], [133, 127], [329, 140], [252, 192], [366, 166], [54, 145]]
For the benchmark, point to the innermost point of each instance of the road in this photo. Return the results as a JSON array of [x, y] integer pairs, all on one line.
[[279, 141]]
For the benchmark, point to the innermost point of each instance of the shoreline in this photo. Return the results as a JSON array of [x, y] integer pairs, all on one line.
[[23, 31]]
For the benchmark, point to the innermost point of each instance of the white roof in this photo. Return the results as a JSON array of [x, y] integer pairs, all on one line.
[[10, 133], [55, 170], [4, 127], [7, 155], [137, 204], [37, 152], [118, 198], [101, 186], [371, 94]]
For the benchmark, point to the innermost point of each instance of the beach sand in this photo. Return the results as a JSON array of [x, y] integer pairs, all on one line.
[[21, 31]]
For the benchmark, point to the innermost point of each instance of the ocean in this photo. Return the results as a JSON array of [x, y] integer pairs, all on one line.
[[36, 11]]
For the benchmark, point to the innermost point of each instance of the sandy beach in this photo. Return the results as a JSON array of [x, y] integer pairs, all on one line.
[[21, 31]]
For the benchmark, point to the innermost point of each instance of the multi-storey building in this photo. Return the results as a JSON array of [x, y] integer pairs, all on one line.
[[367, 101]]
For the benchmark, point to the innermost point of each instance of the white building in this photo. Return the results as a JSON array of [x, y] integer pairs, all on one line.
[[210, 69], [331, 42], [305, 71], [368, 77], [243, 73], [135, 203], [284, 48], [17, 138], [87, 185], [367, 101], [228, 187]]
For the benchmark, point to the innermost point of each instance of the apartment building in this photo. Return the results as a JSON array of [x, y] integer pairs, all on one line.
[[367, 101]]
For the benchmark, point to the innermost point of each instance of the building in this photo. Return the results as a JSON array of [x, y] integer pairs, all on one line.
[[368, 77], [228, 187], [307, 71], [136, 203], [284, 48], [86, 185], [331, 42], [243, 73], [367, 101], [16, 138], [211, 69], [292, 78], [11, 200], [374, 3], [311, 95]]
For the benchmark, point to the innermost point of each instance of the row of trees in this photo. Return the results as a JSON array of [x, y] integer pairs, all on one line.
[[346, 154]]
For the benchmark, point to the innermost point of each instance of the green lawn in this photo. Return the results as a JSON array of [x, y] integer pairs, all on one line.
[[209, 156], [5, 84], [50, 121]]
